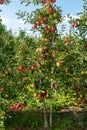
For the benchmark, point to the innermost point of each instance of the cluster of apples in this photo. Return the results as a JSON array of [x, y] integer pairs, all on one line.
[[41, 95], [41, 20], [49, 29], [48, 1], [81, 101], [74, 24], [20, 68], [44, 94], [17, 107]]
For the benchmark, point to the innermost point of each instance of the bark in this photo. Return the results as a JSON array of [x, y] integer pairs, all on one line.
[[52, 69], [45, 116]]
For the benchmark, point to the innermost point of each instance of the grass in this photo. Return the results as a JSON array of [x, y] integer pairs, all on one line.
[[32, 120]]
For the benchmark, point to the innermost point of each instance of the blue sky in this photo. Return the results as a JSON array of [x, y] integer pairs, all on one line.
[[9, 17]]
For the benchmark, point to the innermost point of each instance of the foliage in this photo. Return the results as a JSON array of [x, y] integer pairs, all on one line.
[[51, 66]]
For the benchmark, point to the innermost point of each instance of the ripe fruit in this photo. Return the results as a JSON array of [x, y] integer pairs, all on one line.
[[56, 21], [25, 70], [53, 55], [37, 23], [66, 40], [6, 72], [40, 17], [16, 107], [12, 107], [44, 1], [46, 40], [53, 28], [35, 26], [52, 1], [78, 101], [20, 68], [55, 86], [55, 14], [39, 96], [1, 89], [45, 28], [85, 46], [35, 95], [1, 2], [39, 66], [48, 31], [77, 89], [46, 96], [42, 21], [44, 93], [32, 67], [33, 86], [74, 25], [45, 19], [21, 105], [51, 10], [58, 64]]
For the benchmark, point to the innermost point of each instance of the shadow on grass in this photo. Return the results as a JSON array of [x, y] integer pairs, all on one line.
[[33, 120]]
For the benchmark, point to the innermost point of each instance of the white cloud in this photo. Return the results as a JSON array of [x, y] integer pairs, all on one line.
[[5, 20], [20, 21], [66, 18]]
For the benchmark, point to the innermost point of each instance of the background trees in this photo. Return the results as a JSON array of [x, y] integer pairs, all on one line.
[[51, 66]]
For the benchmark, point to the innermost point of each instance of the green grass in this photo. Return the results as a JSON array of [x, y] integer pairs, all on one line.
[[23, 120]]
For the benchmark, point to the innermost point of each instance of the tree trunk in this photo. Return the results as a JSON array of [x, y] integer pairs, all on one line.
[[52, 69], [45, 115]]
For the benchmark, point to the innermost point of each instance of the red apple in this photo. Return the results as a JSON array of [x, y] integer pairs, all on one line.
[[53, 28], [55, 86], [83, 101], [16, 107], [45, 19], [78, 101], [20, 68], [46, 96], [52, 1], [39, 66], [37, 23], [77, 89], [25, 70], [32, 67], [33, 86], [1, 2], [35, 26], [12, 107], [39, 96], [66, 41], [45, 40], [44, 1], [51, 10], [1, 89], [48, 32], [85, 46], [45, 28], [42, 21], [74, 24], [40, 17], [21, 105]]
